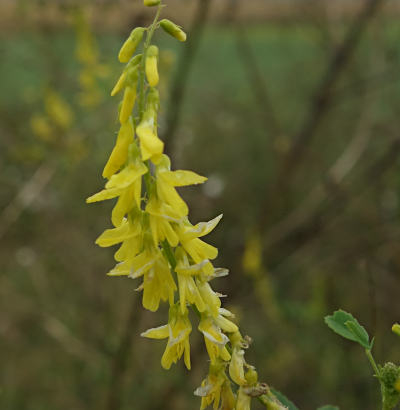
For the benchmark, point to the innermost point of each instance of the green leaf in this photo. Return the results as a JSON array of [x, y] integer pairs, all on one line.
[[284, 400], [328, 407], [347, 326], [360, 333]]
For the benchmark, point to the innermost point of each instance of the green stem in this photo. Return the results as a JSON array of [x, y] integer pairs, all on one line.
[[372, 361], [146, 45], [378, 375]]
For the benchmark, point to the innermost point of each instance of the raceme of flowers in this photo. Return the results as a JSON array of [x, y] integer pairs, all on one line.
[[158, 245]]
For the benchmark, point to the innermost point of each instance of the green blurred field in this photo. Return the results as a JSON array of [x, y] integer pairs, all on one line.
[[63, 318]]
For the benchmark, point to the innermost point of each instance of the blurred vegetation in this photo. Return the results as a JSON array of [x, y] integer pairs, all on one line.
[[330, 234]]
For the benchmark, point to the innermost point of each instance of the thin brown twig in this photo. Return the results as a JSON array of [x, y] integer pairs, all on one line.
[[322, 218], [323, 97], [179, 81]]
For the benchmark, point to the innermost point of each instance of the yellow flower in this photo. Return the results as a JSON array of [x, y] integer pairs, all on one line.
[[188, 290], [151, 66], [167, 180], [130, 45], [177, 331], [118, 183], [41, 127], [173, 29], [58, 110], [252, 257], [158, 283], [214, 339], [243, 400], [216, 389], [151, 146], [237, 363], [119, 154], [161, 216], [113, 236]]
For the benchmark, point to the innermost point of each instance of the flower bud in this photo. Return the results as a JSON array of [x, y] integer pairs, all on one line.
[[130, 45], [151, 3], [119, 85], [173, 29], [396, 329], [151, 66], [127, 103]]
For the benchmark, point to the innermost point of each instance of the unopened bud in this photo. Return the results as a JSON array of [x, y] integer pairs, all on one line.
[[130, 45], [251, 377], [151, 3], [151, 66], [396, 329], [173, 29], [119, 85], [127, 103]]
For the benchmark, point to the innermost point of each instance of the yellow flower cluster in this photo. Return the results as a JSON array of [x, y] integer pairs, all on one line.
[[157, 242]]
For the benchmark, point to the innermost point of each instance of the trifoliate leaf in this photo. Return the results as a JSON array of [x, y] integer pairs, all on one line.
[[347, 326]]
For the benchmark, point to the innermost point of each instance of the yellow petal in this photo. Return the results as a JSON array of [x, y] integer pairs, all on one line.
[[124, 204], [119, 154], [182, 178], [113, 236], [127, 103], [127, 176], [104, 194], [150, 144], [168, 194], [160, 332]]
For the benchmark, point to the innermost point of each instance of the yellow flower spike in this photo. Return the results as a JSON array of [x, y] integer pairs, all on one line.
[[130, 45], [396, 329], [113, 236], [151, 3], [177, 331], [173, 29], [119, 154]]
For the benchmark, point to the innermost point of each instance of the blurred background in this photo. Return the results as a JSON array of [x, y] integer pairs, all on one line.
[[292, 110]]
